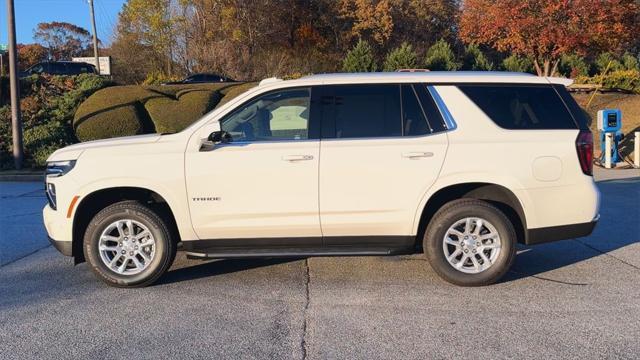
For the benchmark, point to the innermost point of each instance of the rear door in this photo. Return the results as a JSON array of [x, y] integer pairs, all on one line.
[[381, 149]]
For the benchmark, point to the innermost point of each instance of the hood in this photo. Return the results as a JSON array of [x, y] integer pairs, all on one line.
[[72, 152]]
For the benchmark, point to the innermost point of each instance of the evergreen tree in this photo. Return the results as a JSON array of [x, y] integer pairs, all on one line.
[[517, 64], [573, 65], [441, 57], [474, 59], [402, 57], [359, 59]]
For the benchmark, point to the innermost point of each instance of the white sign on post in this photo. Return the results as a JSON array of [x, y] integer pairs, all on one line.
[[105, 63]]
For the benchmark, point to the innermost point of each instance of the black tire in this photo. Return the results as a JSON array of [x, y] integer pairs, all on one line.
[[453, 212], [165, 250]]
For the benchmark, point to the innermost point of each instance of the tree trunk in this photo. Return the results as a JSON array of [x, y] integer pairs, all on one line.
[[547, 67], [537, 66], [554, 69]]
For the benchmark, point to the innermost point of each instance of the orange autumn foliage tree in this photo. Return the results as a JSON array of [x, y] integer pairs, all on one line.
[[545, 29]]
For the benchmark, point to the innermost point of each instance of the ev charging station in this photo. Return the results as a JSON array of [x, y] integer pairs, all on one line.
[[609, 125]]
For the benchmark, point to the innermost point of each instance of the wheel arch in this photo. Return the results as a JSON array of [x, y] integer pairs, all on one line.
[[97, 200], [498, 195]]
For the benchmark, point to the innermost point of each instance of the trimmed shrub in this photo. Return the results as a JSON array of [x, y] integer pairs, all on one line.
[[474, 59], [232, 92], [441, 57], [112, 112], [131, 110], [170, 116], [402, 57], [517, 63], [360, 59], [573, 65]]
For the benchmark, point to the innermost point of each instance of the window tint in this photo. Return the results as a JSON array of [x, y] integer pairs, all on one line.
[[57, 68], [281, 115], [414, 121], [212, 78], [578, 113], [521, 107], [37, 69], [434, 117], [357, 111]]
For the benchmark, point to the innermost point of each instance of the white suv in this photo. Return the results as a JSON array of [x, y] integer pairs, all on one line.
[[459, 165]]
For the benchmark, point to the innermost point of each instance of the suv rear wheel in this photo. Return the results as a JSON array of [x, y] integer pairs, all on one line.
[[470, 243], [128, 245]]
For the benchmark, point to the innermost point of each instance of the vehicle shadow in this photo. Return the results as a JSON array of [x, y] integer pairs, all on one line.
[[617, 228], [218, 267]]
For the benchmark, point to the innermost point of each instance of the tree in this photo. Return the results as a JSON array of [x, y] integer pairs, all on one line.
[[368, 20], [607, 61], [544, 30], [359, 59], [30, 54], [422, 23], [517, 63], [149, 25], [441, 57], [572, 65], [630, 62], [63, 40], [402, 57], [474, 59]]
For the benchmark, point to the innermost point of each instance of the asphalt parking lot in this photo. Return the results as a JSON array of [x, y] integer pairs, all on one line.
[[570, 299]]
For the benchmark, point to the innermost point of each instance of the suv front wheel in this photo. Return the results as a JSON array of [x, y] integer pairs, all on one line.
[[128, 245], [470, 242]]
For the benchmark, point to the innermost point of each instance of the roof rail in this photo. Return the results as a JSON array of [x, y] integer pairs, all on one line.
[[270, 80]]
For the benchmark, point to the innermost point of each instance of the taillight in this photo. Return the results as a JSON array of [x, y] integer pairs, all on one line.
[[584, 146]]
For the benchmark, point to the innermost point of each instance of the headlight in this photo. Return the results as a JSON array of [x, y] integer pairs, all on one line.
[[59, 168]]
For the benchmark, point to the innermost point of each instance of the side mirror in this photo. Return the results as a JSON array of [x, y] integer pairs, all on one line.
[[220, 137], [215, 138]]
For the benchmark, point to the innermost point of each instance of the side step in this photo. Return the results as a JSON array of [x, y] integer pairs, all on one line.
[[297, 252]]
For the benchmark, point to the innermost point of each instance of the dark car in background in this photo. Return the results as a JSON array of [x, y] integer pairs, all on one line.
[[60, 68], [201, 79]]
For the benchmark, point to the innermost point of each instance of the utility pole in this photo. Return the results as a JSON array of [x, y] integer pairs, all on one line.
[[95, 36], [16, 120]]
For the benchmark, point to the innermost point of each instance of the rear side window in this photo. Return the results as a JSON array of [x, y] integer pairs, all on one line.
[[414, 122], [579, 115], [521, 107], [359, 111]]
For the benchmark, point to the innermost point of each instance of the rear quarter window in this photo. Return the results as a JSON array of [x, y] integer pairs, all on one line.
[[522, 107]]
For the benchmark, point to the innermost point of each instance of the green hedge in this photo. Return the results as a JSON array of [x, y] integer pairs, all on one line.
[[130, 110]]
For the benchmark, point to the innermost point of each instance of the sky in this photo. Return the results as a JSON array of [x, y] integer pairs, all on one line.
[[31, 12]]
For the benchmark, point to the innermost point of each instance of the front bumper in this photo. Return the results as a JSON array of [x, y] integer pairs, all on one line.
[[64, 247], [59, 229], [554, 233]]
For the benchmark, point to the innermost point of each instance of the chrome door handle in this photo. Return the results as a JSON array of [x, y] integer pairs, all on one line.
[[417, 154], [297, 157]]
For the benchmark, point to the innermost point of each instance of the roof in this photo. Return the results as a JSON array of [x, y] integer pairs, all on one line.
[[435, 77]]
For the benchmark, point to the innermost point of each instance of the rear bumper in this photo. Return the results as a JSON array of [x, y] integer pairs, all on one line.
[[554, 233], [65, 247]]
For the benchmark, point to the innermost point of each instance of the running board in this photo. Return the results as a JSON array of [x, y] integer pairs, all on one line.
[[301, 252]]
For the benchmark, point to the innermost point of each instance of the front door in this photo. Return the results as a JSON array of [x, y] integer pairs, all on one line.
[[263, 185]]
